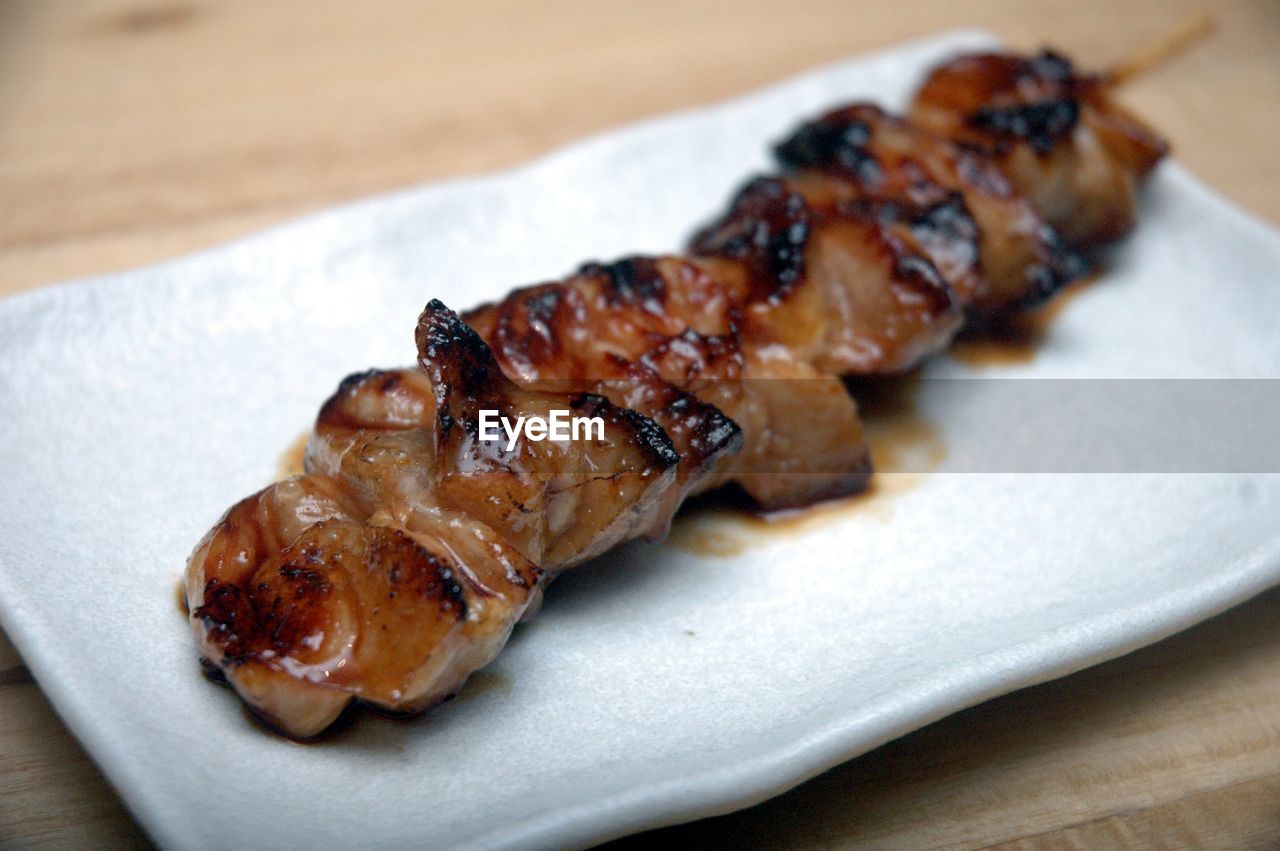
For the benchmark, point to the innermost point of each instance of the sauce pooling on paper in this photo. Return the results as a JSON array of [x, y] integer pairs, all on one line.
[[1017, 339], [905, 448]]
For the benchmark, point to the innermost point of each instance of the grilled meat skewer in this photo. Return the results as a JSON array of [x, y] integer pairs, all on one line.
[[400, 561]]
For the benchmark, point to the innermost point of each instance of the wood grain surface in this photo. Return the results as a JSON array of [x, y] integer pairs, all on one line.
[[133, 132]]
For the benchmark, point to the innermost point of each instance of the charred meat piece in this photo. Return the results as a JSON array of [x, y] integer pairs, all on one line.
[[399, 562], [846, 288], [629, 329], [986, 240], [1058, 135]]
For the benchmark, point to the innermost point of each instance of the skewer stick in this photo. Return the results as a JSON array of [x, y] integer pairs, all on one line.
[[1159, 52]]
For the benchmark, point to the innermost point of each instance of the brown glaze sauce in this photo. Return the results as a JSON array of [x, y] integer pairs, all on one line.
[[905, 448], [1017, 339]]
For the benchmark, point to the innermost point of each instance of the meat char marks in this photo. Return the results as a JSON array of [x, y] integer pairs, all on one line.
[[642, 323], [1058, 135], [400, 561]]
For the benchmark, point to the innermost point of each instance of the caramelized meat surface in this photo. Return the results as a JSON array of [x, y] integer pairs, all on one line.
[[674, 339], [986, 240], [1058, 135], [399, 562]]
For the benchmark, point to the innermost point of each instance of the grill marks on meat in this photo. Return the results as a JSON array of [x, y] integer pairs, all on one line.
[[344, 605], [1057, 134], [988, 242], [399, 563], [766, 229], [872, 300], [609, 332], [683, 348]]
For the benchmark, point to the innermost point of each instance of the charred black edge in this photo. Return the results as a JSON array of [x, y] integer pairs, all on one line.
[[331, 411], [719, 434], [237, 623], [440, 330], [456, 359], [1063, 265], [948, 216], [525, 294], [1042, 123], [234, 620], [836, 141], [629, 280], [452, 348], [532, 339], [632, 280], [539, 305], [767, 228], [919, 273], [713, 434], [213, 672], [651, 437], [446, 571], [716, 432], [906, 264], [223, 611], [1052, 65]]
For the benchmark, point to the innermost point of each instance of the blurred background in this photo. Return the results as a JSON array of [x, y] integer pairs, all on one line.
[[135, 131], [131, 131]]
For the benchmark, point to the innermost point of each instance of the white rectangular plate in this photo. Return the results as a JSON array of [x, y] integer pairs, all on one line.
[[658, 685]]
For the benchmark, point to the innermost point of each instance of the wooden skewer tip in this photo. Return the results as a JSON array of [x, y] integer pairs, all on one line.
[[1157, 53]]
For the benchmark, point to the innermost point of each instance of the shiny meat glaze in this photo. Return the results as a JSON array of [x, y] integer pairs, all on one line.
[[1058, 135], [845, 293], [398, 564], [620, 329], [988, 242]]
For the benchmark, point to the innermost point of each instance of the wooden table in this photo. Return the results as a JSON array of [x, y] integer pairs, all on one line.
[[134, 132]]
